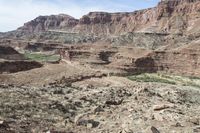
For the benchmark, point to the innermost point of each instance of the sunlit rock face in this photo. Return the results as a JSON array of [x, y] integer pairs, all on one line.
[[45, 23], [169, 16]]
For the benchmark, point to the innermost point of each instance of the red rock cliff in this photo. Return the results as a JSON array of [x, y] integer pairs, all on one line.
[[170, 16]]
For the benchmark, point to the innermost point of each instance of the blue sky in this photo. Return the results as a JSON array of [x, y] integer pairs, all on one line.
[[14, 13]]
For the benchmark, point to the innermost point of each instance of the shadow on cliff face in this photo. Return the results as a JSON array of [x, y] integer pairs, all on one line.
[[16, 66], [145, 65], [106, 55], [10, 53]]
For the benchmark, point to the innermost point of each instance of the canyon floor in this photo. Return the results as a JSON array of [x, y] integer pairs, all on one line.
[[101, 89], [76, 98], [126, 72]]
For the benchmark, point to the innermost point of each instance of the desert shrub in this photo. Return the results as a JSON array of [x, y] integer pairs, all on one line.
[[167, 79], [41, 57]]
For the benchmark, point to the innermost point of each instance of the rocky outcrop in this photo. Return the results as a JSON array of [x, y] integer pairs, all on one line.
[[16, 66], [53, 22], [4, 50], [96, 57], [133, 63], [9, 53], [183, 61]]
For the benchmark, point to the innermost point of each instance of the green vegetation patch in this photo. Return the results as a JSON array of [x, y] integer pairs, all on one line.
[[41, 57], [168, 79]]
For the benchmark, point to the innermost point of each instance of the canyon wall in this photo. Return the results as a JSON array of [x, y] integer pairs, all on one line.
[[171, 16], [165, 33]]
